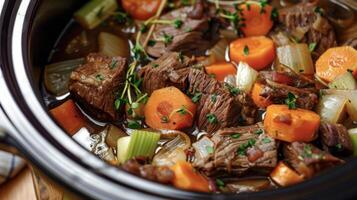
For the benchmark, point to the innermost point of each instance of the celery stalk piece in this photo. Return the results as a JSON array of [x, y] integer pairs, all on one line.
[[345, 81], [140, 143], [353, 135], [95, 12]]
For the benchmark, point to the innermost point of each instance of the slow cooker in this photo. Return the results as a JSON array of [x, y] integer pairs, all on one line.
[[29, 29]]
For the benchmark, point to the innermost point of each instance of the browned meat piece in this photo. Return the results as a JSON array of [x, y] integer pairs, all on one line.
[[351, 42], [288, 78], [95, 83], [335, 139], [301, 18], [235, 151], [277, 93], [307, 159], [193, 37], [170, 69], [218, 107], [139, 167]]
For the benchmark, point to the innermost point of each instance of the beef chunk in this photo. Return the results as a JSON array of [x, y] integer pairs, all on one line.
[[196, 34], [170, 69], [277, 93], [351, 42], [335, 139], [289, 78], [307, 159], [95, 83], [218, 107], [236, 150], [139, 167], [318, 29]]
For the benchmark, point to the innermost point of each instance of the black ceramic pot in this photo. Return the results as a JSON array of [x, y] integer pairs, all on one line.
[[29, 29]]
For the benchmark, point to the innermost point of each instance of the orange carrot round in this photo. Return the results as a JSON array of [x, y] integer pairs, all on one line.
[[336, 61], [141, 10], [188, 179], [69, 117], [289, 125], [257, 19], [258, 52], [221, 70], [259, 100], [169, 108], [285, 176]]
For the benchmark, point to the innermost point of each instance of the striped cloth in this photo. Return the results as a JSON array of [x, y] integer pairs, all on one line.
[[10, 165]]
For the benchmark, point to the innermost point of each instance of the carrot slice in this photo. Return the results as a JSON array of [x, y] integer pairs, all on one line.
[[69, 117], [221, 70], [258, 52], [141, 10], [288, 125], [285, 176], [257, 19], [189, 179], [169, 108], [336, 61], [259, 100]]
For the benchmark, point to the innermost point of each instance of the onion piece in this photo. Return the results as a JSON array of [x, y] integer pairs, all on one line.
[[350, 95], [332, 108], [246, 77], [57, 75], [173, 150], [112, 45], [113, 134], [297, 57]]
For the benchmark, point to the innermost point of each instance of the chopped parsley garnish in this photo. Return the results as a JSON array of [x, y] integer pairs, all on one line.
[[312, 46], [164, 119], [122, 18], [246, 50], [212, 118], [234, 18], [266, 140], [319, 10], [99, 77], [214, 98], [144, 28], [242, 149], [139, 53], [219, 183], [291, 101], [263, 4], [118, 102], [236, 135], [259, 131], [196, 97], [133, 124], [151, 43], [339, 146], [167, 39], [233, 90], [182, 110], [154, 65], [307, 152], [274, 14], [177, 23], [181, 57], [113, 64], [209, 149]]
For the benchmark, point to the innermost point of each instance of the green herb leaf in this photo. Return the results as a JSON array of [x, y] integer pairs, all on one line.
[[164, 119], [133, 124], [236, 136], [307, 152], [233, 90], [214, 98], [177, 23], [266, 140], [209, 149], [246, 50], [154, 65], [212, 118], [151, 43], [144, 28], [319, 10], [185, 2], [291, 101], [197, 96], [182, 110], [99, 77], [248, 5], [263, 4], [219, 182], [312, 46], [242, 149], [274, 16], [259, 132], [339, 146], [167, 39]]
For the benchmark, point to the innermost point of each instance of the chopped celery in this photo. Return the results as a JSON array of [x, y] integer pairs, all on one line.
[[140, 143], [297, 57], [345, 81], [332, 108], [353, 135], [95, 12], [112, 45], [246, 77]]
